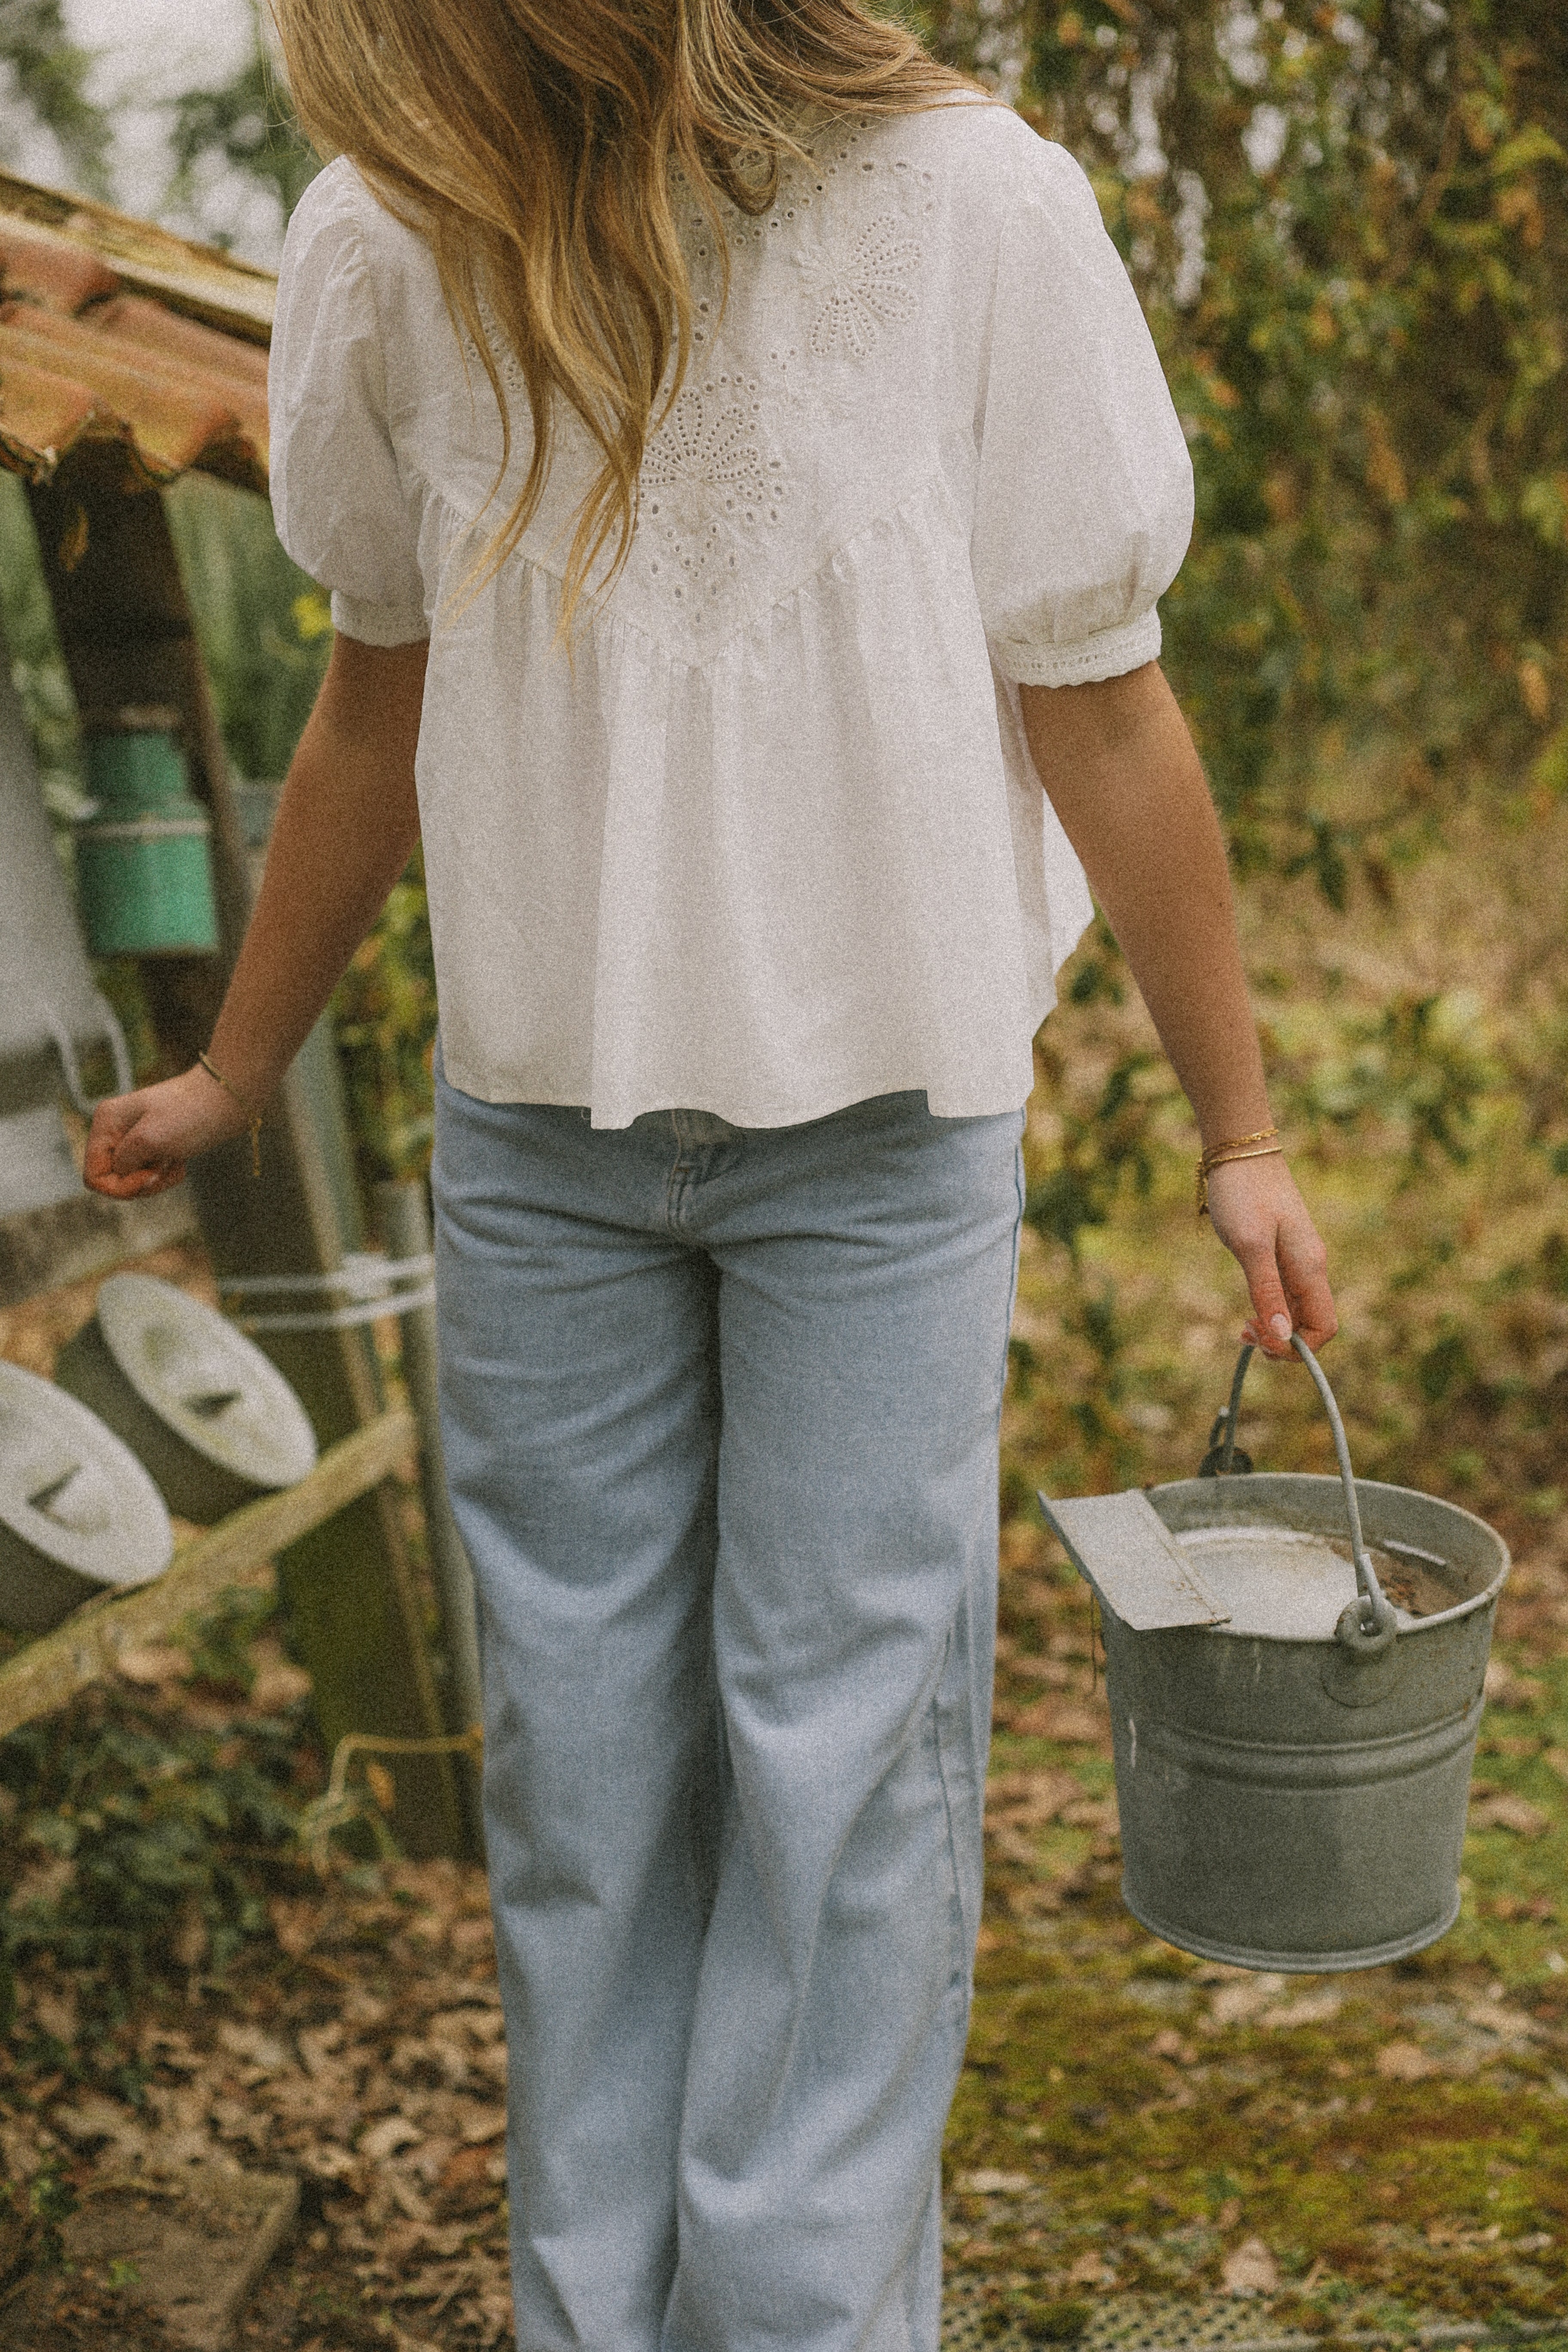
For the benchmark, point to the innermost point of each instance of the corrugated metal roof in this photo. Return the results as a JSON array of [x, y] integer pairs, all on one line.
[[113, 329]]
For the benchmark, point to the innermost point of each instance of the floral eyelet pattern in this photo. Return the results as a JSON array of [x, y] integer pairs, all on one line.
[[860, 281], [837, 257], [709, 484]]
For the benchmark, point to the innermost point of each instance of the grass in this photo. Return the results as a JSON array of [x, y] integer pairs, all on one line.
[[1128, 2118]]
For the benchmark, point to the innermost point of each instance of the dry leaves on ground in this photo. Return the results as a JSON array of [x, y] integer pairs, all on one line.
[[369, 2060]]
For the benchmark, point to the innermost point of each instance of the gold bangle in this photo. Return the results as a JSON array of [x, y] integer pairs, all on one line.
[[1226, 1153], [1210, 1159], [253, 1116]]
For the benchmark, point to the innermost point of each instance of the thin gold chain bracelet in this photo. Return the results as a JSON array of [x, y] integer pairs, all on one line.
[[1240, 1147], [252, 1115]]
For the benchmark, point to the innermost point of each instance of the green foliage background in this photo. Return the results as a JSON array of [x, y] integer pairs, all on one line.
[[1347, 226]]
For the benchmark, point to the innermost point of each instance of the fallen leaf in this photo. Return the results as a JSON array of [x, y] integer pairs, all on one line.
[[1521, 1906], [466, 2181], [44, 1883], [57, 2013], [1313, 2009], [1052, 1672], [481, 2125], [1515, 1693], [382, 1785], [92, 2118], [1091, 1813], [251, 2044], [1251, 2269], [1030, 1800], [1404, 2062], [1169, 2043], [152, 1663], [1238, 2004], [1090, 2270], [296, 1925], [279, 1686], [1501, 1809], [1558, 1759], [1508, 2024], [378, 2141], [987, 2182], [190, 1939], [317, 2045], [1068, 1720], [1039, 1899], [407, 2198]]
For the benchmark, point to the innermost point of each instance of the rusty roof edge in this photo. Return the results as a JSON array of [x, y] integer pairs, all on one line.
[[201, 280]]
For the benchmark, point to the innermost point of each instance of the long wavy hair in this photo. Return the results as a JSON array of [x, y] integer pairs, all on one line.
[[530, 144]]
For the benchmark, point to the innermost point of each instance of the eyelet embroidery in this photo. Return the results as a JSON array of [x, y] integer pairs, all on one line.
[[714, 483], [709, 482], [860, 283]]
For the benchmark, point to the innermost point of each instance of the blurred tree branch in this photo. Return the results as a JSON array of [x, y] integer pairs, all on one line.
[[49, 76]]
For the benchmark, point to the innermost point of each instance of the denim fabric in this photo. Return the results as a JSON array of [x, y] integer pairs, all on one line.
[[721, 1411]]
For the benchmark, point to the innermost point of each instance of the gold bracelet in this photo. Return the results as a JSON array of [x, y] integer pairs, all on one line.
[[1222, 1156], [253, 1116], [1259, 1135]]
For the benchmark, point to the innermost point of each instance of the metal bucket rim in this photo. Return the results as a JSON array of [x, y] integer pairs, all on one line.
[[141, 1544], [214, 1448], [1323, 1482]]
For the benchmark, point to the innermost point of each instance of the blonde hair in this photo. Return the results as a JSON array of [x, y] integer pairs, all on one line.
[[531, 142]]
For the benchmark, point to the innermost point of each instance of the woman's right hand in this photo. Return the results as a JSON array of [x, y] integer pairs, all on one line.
[[139, 1143]]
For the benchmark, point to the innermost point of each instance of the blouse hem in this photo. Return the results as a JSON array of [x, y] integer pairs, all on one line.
[[1112, 653], [955, 1102], [377, 624]]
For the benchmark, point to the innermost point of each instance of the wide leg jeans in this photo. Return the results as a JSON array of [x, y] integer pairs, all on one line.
[[720, 1413]]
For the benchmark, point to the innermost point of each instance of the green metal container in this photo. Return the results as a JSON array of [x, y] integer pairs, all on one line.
[[143, 861], [138, 768], [145, 886], [1295, 1667]]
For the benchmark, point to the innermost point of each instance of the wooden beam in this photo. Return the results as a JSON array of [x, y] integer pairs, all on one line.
[[71, 1241], [84, 1649]]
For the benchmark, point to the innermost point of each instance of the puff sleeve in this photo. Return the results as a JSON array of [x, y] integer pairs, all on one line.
[[337, 499], [1084, 500]]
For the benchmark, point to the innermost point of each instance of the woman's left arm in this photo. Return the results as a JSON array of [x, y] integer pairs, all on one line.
[[1124, 777]]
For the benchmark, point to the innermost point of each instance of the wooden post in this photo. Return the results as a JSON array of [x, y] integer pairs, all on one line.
[[126, 632], [404, 1215]]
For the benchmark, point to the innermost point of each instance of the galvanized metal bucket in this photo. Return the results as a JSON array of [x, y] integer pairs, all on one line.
[[210, 1416], [1294, 1665], [78, 1515]]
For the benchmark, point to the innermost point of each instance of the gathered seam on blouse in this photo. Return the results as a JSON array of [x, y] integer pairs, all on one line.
[[933, 487]]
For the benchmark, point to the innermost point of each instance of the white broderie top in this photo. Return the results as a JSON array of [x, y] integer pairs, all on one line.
[[779, 845]]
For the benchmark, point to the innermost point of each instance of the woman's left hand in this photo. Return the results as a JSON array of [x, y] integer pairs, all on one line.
[[1264, 1222]]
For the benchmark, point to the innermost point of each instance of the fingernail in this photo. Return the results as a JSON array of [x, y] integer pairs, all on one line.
[[1280, 1327]]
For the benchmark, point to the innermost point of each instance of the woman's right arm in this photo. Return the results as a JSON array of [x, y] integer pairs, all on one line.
[[347, 823]]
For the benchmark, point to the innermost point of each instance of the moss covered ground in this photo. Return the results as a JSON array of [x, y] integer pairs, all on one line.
[[1356, 2151]]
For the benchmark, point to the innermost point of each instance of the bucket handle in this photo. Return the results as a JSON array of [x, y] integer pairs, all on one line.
[[113, 1037], [1367, 1624]]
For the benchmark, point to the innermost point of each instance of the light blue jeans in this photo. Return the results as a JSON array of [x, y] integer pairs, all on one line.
[[720, 1412]]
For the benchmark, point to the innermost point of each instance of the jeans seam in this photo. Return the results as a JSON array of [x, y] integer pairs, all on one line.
[[961, 1938]]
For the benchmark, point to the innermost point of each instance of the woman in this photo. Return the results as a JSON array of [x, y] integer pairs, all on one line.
[[744, 479]]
